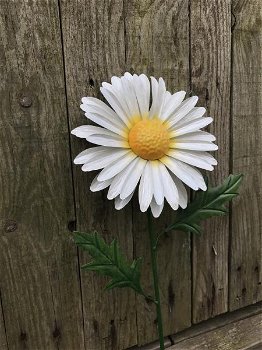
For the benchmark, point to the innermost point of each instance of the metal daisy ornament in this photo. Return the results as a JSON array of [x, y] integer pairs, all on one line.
[[156, 146]]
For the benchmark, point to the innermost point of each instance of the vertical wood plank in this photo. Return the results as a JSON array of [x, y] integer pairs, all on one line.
[[210, 72], [38, 264], [3, 340], [157, 43], [245, 266], [93, 35]]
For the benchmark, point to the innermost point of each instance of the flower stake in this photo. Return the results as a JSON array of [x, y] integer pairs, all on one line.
[[153, 250], [157, 148]]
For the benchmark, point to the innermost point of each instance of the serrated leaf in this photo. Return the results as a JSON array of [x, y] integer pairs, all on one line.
[[109, 261], [194, 228], [118, 284], [207, 204]]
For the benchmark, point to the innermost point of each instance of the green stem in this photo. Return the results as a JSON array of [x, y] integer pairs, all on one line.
[[153, 247]]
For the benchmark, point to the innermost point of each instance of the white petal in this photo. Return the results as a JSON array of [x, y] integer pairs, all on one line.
[[190, 176], [145, 192], [99, 185], [157, 184], [207, 157], [196, 136], [146, 84], [120, 88], [100, 108], [168, 97], [142, 90], [110, 140], [88, 154], [129, 95], [155, 208], [128, 75], [114, 102], [192, 126], [115, 167], [194, 145], [171, 104], [191, 158], [169, 187], [106, 122], [95, 102], [182, 193], [182, 110], [99, 154], [104, 159], [195, 113], [123, 90], [154, 92], [158, 97], [120, 179], [84, 131], [132, 179], [116, 82], [121, 203]]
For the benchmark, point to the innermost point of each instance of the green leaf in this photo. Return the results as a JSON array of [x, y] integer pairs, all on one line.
[[207, 204], [109, 261]]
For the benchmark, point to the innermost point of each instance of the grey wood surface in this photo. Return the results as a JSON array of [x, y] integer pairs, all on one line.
[[92, 55], [245, 252], [205, 330], [39, 268], [239, 335], [3, 339], [210, 74], [153, 49], [53, 52]]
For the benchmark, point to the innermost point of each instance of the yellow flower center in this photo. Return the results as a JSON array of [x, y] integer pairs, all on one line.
[[149, 139]]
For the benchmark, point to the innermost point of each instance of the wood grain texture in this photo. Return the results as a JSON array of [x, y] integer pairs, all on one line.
[[210, 74], [207, 327], [240, 335], [152, 346], [245, 264], [161, 50], [256, 347], [3, 339], [38, 264], [217, 322], [93, 36]]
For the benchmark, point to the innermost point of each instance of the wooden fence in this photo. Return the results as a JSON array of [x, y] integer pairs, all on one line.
[[52, 53]]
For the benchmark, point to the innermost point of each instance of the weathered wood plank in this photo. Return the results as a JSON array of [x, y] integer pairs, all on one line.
[[205, 327], [93, 35], [256, 347], [3, 340], [210, 73], [161, 50], [240, 335], [245, 264], [152, 346], [217, 322], [38, 264]]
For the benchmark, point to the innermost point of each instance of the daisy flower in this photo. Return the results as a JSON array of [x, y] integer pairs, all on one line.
[[156, 146]]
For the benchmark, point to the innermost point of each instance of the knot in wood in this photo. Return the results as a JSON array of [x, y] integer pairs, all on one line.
[[10, 226], [26, 101]]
